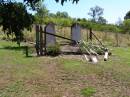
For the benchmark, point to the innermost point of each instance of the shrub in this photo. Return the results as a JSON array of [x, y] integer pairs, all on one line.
[[53, 50], [3, 38]]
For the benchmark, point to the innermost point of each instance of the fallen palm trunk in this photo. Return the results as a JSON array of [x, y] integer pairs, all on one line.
[[92, 51], [106, 55]]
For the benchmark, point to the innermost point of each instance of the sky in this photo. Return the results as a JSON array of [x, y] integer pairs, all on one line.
[[113, 9]]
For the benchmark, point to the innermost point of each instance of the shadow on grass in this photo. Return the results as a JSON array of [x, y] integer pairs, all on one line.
[[29, 56], [13, 48], [17, 48]]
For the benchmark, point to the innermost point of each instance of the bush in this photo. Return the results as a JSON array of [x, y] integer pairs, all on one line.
[[3, 38], [53, 50]]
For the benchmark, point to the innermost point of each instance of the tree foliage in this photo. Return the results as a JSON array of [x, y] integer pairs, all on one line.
[[14, 18], [102, 20], [62, 14], [126, 26], [127, 16], [62, 1], [34, 3], [95, 12], [41, 14]]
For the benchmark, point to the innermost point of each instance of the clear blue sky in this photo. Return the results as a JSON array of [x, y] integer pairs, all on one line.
[[113, 9]]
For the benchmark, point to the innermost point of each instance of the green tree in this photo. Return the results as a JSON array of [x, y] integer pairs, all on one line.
[[102, 20], [52, 15], [95, 13], [14, 18], [62, 1], [127, 16], [126, 26], [34, 3], [41, 14], [62, 14]]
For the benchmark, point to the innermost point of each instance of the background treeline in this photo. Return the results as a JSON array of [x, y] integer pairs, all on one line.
[[97, 22], [15, 18]]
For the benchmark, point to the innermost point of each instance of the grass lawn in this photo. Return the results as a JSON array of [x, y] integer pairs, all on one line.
[[62, 76]]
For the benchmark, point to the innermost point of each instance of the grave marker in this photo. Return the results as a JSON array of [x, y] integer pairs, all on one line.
[[76, 32], [49, 39]]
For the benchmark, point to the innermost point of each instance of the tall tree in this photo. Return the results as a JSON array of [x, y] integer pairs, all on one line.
[[95, 13], [126, 26], [127, 16], [102, 20], [41, 14], [33, 3], [62, 14], [14, 18], [52, 15], [62, 1]]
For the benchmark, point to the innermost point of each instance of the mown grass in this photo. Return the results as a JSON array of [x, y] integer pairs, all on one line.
[[16, 89], [123, 53], [22, 76], [118, 65], [14, 61], [16, 68]]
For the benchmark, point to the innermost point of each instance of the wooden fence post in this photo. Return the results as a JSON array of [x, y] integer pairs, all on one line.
[[87, 35], [26, 49], [41, 41], [117, 40], [45, 46], [90, 34], [37, 39]]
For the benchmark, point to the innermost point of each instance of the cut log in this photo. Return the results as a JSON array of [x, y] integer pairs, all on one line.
[[106, 56], [94, 59]]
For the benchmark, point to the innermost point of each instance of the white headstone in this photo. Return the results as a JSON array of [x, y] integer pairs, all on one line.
[[76, 32], [50, 40]]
